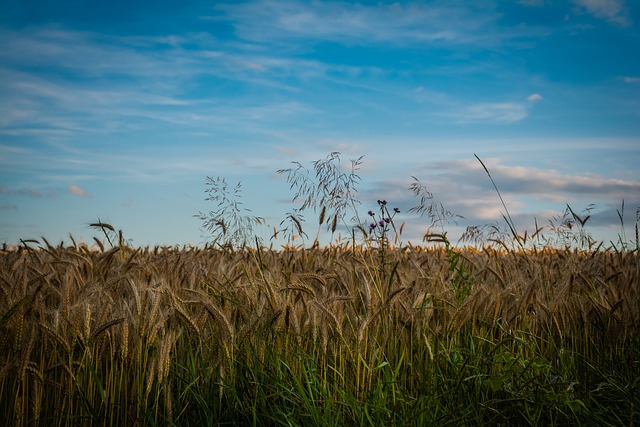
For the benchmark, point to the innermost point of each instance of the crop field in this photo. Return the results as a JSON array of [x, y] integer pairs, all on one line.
[[323, 336], [516, 329]]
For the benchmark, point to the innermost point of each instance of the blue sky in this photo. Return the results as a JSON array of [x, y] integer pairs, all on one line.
[[120, 110]]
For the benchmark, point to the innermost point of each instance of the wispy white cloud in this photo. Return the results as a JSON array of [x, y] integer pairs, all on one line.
[[365, 23], [534, 97], [101, 83], [334, 21], [613, 11], [632, 80], [487, 112]]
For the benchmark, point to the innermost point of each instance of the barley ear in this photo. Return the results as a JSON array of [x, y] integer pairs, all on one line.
[[104, 327]]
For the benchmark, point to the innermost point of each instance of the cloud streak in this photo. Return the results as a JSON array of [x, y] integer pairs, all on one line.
[[366, 23], [29, 192], [545, 184], [107, 84], [613, 11], [487, 112], [78, 191]]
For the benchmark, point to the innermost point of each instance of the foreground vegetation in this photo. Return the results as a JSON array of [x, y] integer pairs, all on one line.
[[318, 336], [366, 331]]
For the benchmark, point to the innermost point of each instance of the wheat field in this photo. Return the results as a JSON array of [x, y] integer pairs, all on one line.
[[333, 336]]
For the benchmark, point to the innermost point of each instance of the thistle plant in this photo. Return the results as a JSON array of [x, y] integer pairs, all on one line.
[[381, 226]]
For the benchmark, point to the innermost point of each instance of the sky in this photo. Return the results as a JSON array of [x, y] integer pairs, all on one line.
[[119, 111]]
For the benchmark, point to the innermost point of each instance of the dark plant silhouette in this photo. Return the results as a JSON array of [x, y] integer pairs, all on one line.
[[438, 215], [230, 224], [327, 188]]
